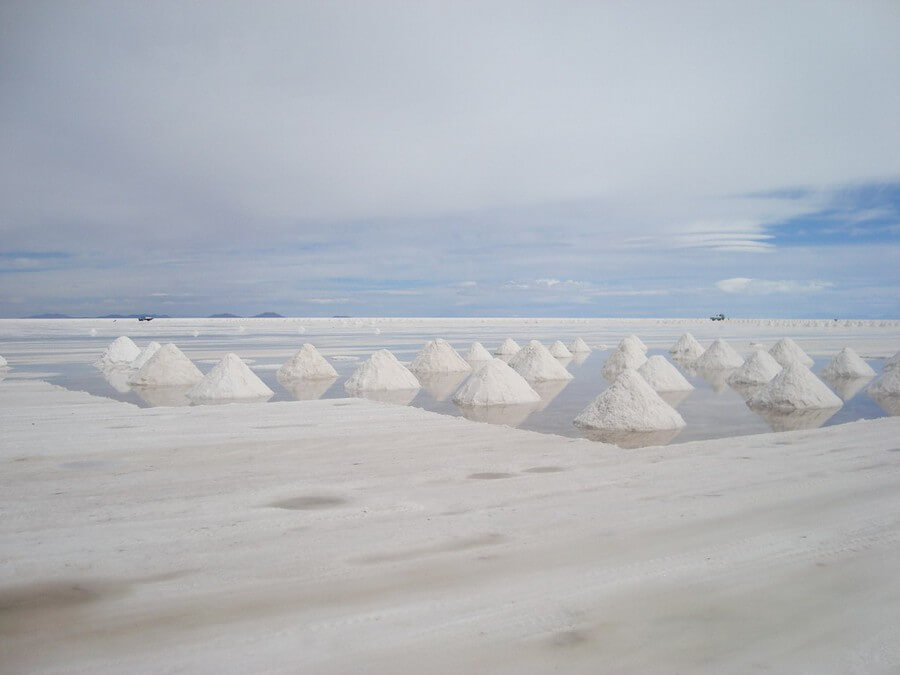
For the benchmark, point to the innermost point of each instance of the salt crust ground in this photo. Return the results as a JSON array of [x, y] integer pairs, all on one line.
[[342, 535]]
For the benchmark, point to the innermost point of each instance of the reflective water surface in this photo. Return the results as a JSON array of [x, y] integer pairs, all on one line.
[[713, 410]]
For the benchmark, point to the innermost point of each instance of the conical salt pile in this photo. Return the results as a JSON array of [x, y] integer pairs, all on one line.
[[579, 346], [120, 352], [230, 379], [627, 356], [886, 385], [663, 376], [3, 362], [687, 348], [629, 404], [795, 388], [508, 348], [760, 368], [634, 340], [381, 372], [847, 364], [893, 362], [786, 350], [438, 356], [145, 355], [535, 363], [560, 351], [168, 367], [495, 383], [477, 352], [308, 364], [719, 356]]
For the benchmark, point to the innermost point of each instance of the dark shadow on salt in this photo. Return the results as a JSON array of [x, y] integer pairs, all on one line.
[[509, 415], [306, 389], [548, 391], [489, 475], [392, 396], [309, 503], [544, 469], [630, 439], [890, 404], [164, 397], [847, 387], [795, 420], [441, 386]]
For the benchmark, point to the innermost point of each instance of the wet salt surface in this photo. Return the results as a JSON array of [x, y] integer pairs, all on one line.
[[712, 410]]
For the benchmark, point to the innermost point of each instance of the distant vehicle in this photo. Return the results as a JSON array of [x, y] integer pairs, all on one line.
[[145, 317], [717, 317]]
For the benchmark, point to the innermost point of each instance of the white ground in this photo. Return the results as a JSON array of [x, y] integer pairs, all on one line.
[[343, 536]]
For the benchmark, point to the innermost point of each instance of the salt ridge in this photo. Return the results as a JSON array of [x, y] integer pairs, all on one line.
[[847, 363], [495, 383], [438, 356], [795, 388], [120, 352], [560, 351], [381, 372], [786, 350], [307, 363], [230, 379], [535, 363], [168, 367], [719, 356], [663, 376], [629, 404], [760, 368], [477, 352]]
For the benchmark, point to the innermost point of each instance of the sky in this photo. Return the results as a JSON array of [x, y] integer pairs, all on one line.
[[450, 158]]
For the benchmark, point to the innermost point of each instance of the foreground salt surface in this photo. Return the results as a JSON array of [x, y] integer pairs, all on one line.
[[338, 536]]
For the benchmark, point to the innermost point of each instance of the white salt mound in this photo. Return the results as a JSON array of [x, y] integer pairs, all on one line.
[[886, 385], [893, 362], [168, 367], [381, 372], [579, 346], [230, 379], [687, 347], [120, 352], [663, 376], [145, 355], [786, 350], [847, 364], [508, 348], [477, 352], [625, 357], [634, 340], [438, 356], [307, 363], [795, 388], [3, 362], [495, 383], [535, 363], [719, 356], [760, 368], [629, 404], [560, 351]]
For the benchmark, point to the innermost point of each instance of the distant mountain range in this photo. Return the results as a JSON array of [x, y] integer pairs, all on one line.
[[51, 315]]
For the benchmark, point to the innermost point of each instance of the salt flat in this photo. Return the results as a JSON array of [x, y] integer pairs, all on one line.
[[344, 535]]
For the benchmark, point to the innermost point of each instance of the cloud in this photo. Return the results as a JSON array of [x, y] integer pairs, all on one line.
[[766, 287], [328, 301]]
